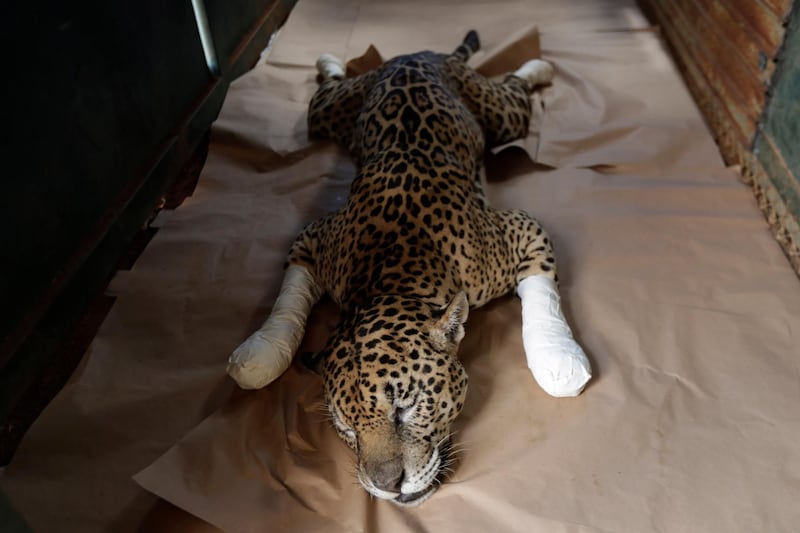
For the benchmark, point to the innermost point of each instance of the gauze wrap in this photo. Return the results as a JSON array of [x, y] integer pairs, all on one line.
[[536, 72], [557, 362], [267, 353], [330, 66]]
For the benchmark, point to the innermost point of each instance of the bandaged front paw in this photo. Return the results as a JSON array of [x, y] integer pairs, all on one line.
[[268, 352], [557, 362]]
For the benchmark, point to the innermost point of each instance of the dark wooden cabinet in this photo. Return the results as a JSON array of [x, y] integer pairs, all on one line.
[[104, 104]]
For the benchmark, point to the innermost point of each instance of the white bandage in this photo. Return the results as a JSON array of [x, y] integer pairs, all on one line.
[[330, 66], [267, 353], [535, 72], [557, 362]]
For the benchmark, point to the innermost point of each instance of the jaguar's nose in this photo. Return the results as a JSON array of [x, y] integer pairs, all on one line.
[[388, 475]]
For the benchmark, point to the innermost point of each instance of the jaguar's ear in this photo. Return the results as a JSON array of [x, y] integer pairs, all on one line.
[[449, 328]]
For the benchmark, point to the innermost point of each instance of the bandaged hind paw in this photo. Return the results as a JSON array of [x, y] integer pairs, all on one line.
[[268, 352], [330, 66], [536, 72], [557, 362]]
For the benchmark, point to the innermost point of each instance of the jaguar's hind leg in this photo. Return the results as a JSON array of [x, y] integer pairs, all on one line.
[[557, 362], [502, 108], [535, 72], [338, 101]]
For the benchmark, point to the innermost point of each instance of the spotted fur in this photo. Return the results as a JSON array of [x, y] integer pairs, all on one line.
[[413, 248]]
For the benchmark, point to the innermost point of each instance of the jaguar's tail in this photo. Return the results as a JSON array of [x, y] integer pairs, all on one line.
[[468, 46]]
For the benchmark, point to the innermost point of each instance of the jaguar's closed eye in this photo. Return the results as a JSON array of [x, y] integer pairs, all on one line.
[[341, 425]]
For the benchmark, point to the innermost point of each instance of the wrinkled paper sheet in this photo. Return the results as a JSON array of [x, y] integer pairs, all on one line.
[[669, 276]]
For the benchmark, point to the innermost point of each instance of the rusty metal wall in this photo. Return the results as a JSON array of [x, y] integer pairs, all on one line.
[[735, 61], [727, 50]]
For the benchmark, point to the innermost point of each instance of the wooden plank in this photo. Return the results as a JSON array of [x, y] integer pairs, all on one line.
[[722, 63], [760, 20], [703, 81], [780, 8], [744, 35]]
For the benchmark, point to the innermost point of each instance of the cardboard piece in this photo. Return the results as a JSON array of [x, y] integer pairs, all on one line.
[[369, 60]]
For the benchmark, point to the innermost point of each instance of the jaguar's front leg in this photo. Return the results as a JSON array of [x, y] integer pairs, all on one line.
[[267, 353], [555, 359], [557, 362]]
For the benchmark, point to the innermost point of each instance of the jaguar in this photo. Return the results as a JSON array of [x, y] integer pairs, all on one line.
[[415, 247]]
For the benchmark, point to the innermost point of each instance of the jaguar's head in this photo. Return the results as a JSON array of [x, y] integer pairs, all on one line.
[[393, 387]]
